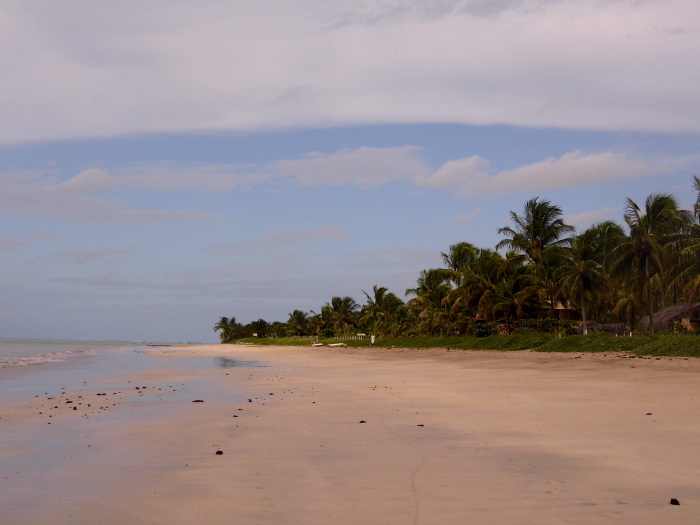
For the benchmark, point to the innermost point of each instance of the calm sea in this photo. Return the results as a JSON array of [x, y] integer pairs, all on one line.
[[27, 352]]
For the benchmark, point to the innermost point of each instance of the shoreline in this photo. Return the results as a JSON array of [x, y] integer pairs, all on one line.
[[373, 435]]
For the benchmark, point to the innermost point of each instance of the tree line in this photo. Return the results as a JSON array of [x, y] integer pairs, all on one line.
[[611, 273]]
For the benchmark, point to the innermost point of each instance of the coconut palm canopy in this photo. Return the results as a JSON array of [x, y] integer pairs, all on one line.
[[648, 270]]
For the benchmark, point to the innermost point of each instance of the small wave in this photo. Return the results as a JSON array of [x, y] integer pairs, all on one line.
[[53, 357]]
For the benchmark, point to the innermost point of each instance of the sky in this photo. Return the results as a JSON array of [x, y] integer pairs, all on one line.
[[166, 163]]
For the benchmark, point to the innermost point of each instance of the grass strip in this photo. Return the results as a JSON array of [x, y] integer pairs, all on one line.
[[682, 345]]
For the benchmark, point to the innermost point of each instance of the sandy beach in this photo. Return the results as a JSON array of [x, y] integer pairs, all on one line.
[[348, 436]]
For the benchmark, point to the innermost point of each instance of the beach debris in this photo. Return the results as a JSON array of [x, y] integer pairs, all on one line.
[[674, 501], [421, 425], [219, 452], [648, 413], [198, 401], [363, 421]]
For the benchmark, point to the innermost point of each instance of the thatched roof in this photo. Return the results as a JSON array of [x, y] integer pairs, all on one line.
[[663, 318]]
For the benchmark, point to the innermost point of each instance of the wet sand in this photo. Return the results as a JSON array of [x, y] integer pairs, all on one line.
[[349, 436]]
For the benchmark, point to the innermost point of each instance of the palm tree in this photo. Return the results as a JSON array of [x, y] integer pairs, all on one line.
[[603, 238], [431, 291], [342, 313], [381, 310], [539, 227], [297, 322], [227, 327], [689, 274], [460, 256], [581, 273], [472, 271], [643, 251]]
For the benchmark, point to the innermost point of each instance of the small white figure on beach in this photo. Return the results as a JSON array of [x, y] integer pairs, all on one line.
[[371, 340]]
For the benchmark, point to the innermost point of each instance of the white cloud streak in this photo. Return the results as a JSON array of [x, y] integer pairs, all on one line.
[[73, 201], [582, 221], [474, 177], [276, 239], [363, 167], [215, 65], [15, 242], [97, 253], [463, 219], [85, 197]]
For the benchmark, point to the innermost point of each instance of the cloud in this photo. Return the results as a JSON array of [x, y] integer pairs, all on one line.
[[14, 242], [296, 238], [88, 181], [583, 221], [389, 11], [180, 67], [474, 177], [85, 198], [364, 167], [106, 279], [38, 195], [303, 237], [163, 177], [95, 253], [462, 219]]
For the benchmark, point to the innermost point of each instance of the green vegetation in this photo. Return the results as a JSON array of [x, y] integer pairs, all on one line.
[[550, 286], [682, 345], [666, 344], [499, 342]]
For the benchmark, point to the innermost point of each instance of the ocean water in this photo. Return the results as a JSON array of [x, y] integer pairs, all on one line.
[[70, 459], [27, 352], [34, 367]]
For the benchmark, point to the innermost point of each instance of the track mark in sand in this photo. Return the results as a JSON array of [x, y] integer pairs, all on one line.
[[414, 474]]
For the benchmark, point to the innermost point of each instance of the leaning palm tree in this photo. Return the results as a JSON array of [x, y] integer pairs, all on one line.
[[642, 250], [541, 225], [227, 327]]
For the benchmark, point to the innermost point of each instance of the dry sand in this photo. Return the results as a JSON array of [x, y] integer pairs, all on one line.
[[371, 436]]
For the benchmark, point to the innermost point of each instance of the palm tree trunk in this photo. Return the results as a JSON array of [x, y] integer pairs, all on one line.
[[651, 306], [583, 313]]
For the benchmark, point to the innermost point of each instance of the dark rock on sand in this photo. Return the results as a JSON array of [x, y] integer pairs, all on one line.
[[674, 501]]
